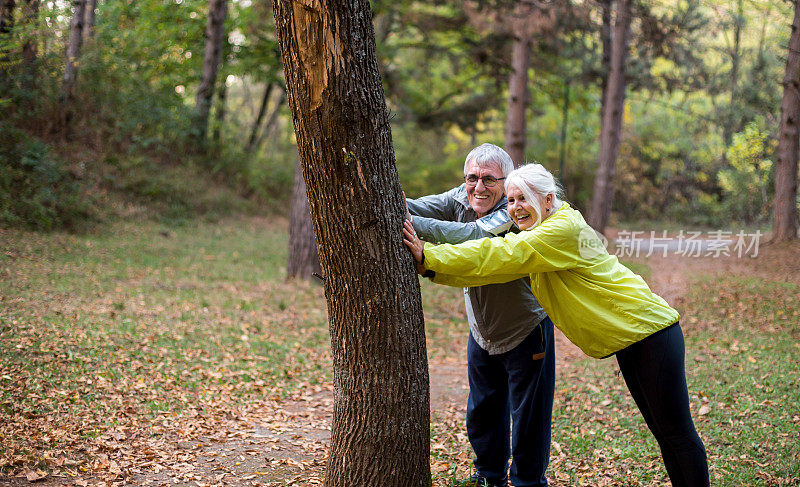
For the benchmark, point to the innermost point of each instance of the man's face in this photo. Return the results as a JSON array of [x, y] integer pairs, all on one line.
[[481, 198]]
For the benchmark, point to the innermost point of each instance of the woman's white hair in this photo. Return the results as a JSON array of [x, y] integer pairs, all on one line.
[[487, 154], [533, 180]]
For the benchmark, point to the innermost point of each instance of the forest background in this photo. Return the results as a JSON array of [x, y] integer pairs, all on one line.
[[121, 128]]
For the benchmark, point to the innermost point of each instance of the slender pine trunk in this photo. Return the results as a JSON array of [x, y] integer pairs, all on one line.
[[518, 97], [71, 66], [785, 217], [215, 36], [89, 19], [611, 127], [262, 109]]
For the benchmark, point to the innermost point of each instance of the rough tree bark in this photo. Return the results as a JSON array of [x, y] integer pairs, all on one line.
[[215, 36], [71, 66], [303, 257], [611, 126], [785, 216], [380, 430], [251, 141]]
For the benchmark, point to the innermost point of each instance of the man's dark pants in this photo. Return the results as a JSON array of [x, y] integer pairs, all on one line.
[[517, 384]]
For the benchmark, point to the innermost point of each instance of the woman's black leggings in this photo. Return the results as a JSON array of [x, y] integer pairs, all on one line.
[[653, 369]]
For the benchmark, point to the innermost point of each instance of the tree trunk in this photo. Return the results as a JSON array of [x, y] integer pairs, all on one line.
[[605, 64], [564, 120], [273, 117], [251, 141], [215, 36], [611, 127], [516, 130], [380, 430], [785, 222], [303, 256], [731, 126], [30, 12], [223, 92], [73, 53], [88, 28]]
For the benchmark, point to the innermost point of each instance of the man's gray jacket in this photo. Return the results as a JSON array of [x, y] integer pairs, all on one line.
[[500, 316]]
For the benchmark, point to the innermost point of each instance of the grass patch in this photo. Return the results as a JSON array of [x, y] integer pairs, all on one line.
[[155, 330]]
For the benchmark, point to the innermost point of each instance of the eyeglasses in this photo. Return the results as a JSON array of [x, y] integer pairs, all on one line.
[[488, 181]]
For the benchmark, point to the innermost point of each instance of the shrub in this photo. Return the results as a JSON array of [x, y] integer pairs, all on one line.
[[36, 191], [746, 184]]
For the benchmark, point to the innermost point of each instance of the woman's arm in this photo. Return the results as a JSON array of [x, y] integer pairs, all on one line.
[[417, 248], [547, 248]]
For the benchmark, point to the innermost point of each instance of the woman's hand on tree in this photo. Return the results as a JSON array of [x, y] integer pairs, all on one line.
[[414, 244]]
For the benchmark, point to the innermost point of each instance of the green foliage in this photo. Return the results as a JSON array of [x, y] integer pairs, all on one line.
[[36, 190], [429, 161], [746, 182], [133, 72], [445, 68]]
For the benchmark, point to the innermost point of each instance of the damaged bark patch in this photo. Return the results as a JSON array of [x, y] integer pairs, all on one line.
[[320, 49]]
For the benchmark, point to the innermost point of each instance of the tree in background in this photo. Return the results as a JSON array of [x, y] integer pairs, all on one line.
[[215, 37], [71, 65], [89, 19], [611, 126], [380, 432], [262, 110], [303, 261], [785, 214], [30, 52], [528, 21]]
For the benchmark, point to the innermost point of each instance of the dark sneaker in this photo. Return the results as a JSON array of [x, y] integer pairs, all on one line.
[[477, 480]]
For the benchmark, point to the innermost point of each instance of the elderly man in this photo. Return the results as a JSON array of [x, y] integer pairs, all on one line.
[[510, 351]]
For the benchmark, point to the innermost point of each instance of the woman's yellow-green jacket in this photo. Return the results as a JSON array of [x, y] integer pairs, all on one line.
[[599, 304]]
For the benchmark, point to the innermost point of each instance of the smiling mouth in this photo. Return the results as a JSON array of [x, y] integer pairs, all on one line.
[[481, 196], [522, 218]]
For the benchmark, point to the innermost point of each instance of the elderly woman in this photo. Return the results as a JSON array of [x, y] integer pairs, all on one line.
[[599, 304]]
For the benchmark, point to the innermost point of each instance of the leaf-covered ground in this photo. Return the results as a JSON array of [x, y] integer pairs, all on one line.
[[146, 355]]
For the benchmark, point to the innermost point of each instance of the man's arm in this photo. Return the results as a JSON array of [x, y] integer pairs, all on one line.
[[435, 215], [438, 206], [438, 231]]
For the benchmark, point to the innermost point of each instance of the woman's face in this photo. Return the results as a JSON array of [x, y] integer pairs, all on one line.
[[523, 212]]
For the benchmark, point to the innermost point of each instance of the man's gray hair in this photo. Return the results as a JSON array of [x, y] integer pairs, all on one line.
[[488, 154]]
